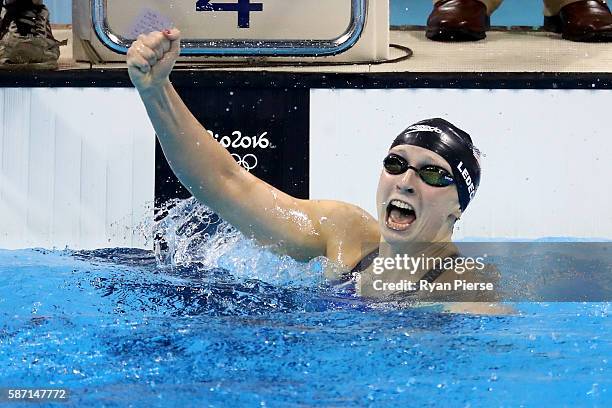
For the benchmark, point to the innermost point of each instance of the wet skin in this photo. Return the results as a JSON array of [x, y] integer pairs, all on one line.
[[436, 208]]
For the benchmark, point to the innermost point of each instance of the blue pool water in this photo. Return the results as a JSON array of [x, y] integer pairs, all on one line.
[[215, 321]]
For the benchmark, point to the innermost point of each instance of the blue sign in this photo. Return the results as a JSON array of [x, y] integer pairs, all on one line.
[[243, 8]]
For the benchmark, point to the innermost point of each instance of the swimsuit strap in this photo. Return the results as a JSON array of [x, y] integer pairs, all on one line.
[[365, 262], [361, 266]]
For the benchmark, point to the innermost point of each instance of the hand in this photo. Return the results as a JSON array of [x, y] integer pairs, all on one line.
[[151, 58]]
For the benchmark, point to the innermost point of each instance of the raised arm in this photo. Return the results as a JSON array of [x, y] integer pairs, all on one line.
[[299, 227]]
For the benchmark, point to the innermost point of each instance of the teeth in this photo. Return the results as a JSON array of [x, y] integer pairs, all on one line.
[[401, 204]]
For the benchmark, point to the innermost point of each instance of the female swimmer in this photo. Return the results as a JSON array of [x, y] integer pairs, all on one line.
[[428, 179]]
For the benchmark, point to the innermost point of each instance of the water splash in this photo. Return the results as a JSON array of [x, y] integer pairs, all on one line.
[[186, 233]]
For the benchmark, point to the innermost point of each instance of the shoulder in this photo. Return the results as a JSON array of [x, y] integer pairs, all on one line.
[[349, 231], [338, 217]]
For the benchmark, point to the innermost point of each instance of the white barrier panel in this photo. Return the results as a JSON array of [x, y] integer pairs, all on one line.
[[340, 30], [77, 168], [546, 170]]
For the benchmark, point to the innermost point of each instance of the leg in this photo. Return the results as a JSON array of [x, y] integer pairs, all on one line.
[[492, 5]]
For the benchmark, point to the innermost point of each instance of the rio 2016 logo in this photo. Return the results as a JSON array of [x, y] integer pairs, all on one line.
[[237, 140], [248, 161]]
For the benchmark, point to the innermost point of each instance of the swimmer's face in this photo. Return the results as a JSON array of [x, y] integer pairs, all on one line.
[[429, 212]]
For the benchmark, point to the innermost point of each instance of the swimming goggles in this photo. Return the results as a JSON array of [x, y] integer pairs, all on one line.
[[432, 175]]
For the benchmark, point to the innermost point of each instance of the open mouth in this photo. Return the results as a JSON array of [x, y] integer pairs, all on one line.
[[400, 215]]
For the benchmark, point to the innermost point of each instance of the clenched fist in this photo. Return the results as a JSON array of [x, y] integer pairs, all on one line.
[[151, 58]]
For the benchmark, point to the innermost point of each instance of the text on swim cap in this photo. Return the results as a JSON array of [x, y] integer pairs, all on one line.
[[424, 128], [468, 179]]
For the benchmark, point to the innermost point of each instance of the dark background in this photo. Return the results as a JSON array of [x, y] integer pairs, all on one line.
[[283, 113]]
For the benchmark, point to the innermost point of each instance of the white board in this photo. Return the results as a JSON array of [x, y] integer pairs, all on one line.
[[547, 167], [77, 168]]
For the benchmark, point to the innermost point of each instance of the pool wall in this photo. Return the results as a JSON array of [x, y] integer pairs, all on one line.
[[77, 167], [86, 172]]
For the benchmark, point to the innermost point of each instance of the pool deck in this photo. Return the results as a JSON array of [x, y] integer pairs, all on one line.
[[514, 59], [501, 51]]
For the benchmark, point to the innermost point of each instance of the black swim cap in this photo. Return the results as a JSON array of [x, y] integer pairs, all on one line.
[[454, 145]]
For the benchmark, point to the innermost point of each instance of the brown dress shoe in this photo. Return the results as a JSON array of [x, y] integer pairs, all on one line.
[[458, 20], [586, 21]]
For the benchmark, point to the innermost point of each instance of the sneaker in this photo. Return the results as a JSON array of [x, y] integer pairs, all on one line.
[[26, 40]]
